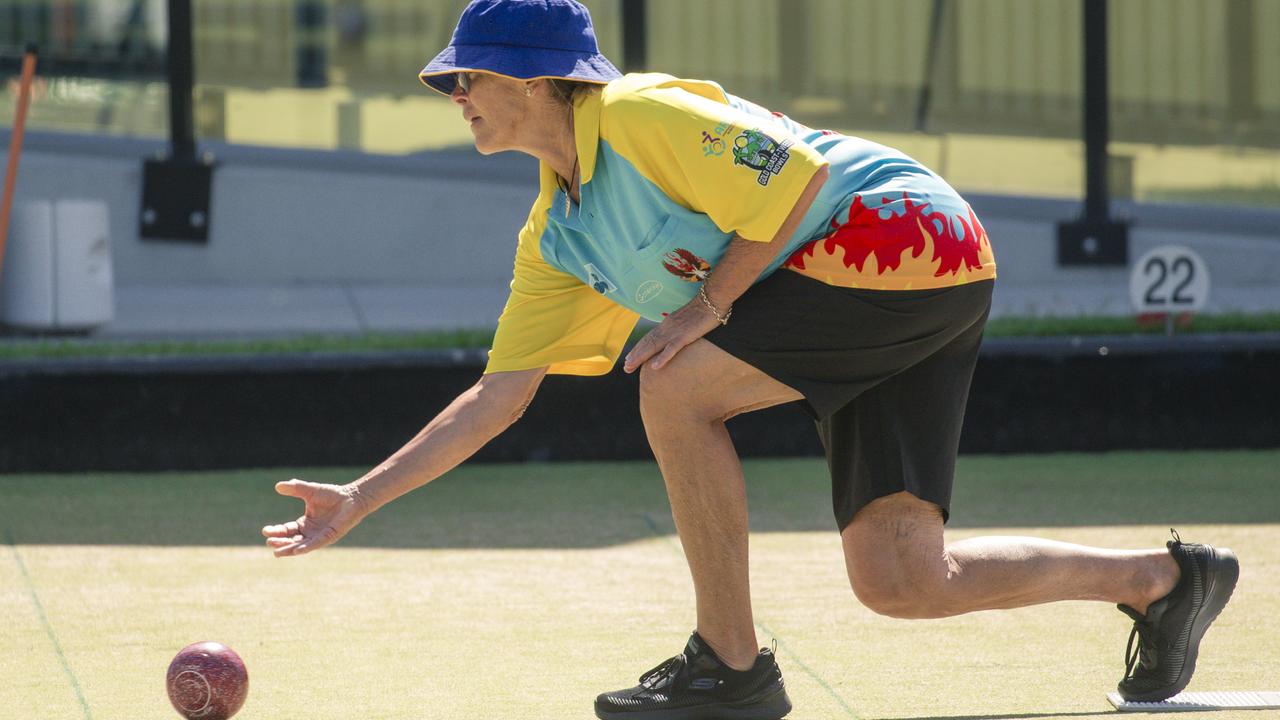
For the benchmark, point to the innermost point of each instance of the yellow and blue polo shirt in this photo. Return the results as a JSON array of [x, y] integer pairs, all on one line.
[[671, 170]]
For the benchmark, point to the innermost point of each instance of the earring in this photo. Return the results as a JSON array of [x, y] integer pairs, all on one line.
[[528, 91]]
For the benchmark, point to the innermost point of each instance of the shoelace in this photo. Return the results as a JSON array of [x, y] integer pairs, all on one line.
[[663, 674], [1145, 651]]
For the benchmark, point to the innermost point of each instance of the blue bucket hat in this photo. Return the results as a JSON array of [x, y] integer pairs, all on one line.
[[522, 39]]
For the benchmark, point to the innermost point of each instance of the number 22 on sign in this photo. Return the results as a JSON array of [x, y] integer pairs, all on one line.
[[1169, 280]]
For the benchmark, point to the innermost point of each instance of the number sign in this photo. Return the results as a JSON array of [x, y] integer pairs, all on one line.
[[1169, 279]]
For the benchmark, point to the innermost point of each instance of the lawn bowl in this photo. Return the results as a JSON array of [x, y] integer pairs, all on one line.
[[207, 681]]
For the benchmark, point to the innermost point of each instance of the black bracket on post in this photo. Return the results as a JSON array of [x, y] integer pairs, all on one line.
[[1095, 239], [176, 190]]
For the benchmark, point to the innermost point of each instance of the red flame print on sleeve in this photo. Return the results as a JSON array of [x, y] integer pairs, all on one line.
[[866, 234]]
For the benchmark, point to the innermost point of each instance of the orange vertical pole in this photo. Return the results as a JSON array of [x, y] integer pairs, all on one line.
[[15, 144]]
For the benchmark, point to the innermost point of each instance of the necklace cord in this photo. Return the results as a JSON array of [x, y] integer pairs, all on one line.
[[567, 185]]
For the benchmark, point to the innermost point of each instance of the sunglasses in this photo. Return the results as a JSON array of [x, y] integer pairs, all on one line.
[[464, 81]]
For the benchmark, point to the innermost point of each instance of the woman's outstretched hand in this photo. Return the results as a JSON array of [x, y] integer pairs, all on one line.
[[330, 512]]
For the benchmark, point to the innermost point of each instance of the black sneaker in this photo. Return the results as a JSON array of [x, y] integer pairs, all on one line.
[[1169, 634], [696, 685]]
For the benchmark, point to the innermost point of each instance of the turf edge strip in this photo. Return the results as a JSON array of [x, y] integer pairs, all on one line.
[[657, 531], [830, 690], [44, 620]]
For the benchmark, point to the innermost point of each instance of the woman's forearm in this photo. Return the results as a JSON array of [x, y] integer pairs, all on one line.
[[737, 269], [473, 419], [745, 259]]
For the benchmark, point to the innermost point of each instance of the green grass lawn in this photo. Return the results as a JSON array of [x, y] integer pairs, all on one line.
[[521, 591]]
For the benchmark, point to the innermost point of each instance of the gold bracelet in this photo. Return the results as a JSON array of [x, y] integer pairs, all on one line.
[[722, 319]]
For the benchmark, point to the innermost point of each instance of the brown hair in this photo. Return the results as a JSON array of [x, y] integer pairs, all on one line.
[[568, 91]]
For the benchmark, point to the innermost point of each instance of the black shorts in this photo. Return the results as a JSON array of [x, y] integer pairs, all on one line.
[[885, 373]]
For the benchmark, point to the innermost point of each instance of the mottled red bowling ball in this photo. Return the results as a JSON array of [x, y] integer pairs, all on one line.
[[207, 681]]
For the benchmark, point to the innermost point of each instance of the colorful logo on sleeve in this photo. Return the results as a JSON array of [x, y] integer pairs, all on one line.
[[713, 144], [760, 152], [686, 266], [598, 281]]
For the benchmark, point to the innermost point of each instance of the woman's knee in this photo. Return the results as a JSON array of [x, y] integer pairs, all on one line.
[[704, 383], [680, 389], [667, 389], [896, 559], [894, 593]]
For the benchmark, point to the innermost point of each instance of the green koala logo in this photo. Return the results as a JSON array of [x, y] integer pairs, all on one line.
[[753, 149], [758, 151]]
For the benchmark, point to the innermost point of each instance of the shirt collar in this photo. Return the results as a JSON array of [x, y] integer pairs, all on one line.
[[586, 130], [586, 138]]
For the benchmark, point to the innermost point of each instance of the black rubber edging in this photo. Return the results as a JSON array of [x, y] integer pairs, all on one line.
[[189, 413]]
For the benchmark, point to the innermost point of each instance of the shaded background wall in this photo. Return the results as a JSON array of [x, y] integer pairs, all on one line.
[[1185, 70], [1194, 83], [336, 166], [446, 221]]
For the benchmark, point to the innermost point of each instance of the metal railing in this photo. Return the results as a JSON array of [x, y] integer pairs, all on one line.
[[98, 39]]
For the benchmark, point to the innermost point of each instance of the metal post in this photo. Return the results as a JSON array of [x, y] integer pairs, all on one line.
[[15, 143], [1095, 239], [313, 54], [1097, 199], [635, 36], [930, 65], [176, 189], [182, 133]]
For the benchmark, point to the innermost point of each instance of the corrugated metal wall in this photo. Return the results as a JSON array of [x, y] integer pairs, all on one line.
[[244, 43], [1191, 71], [1181, 70]]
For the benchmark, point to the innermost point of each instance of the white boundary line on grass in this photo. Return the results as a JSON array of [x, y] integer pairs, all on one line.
[[44, 620], [658, 531]]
